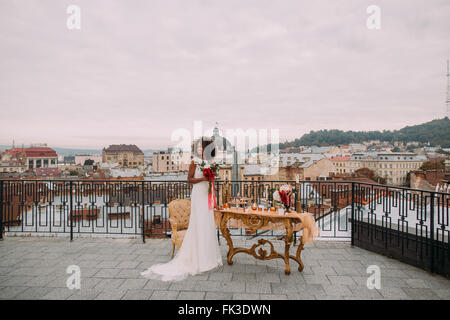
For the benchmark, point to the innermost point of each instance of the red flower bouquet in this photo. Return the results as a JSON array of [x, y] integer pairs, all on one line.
[[284, 195]]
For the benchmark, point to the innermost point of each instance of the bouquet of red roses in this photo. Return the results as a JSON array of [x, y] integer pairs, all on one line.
[[210, 173]]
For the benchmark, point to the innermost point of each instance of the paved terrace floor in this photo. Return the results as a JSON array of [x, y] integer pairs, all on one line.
[[35, 268]]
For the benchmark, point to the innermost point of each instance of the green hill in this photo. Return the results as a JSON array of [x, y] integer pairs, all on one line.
[[436, 132]]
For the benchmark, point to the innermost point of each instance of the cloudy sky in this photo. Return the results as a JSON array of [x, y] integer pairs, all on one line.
[[138, 70]]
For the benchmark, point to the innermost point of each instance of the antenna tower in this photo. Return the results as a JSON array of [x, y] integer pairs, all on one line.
[[448, 88]]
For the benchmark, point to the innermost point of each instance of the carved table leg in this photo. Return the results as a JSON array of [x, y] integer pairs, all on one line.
[[286, 258], [288, 241], [227, 236], [297, 255], [287, 246]]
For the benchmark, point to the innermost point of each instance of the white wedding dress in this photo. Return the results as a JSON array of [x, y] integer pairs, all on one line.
[[200, 250]]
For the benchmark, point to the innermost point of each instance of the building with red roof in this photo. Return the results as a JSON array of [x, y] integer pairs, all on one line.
[[36, 157]]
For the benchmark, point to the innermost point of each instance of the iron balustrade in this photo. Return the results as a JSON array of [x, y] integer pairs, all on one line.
[[408, 224]]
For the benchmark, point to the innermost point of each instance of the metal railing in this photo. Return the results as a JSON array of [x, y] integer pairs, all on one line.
[[408, 224], [140, 207]]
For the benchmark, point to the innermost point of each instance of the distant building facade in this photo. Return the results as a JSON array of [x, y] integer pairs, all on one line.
[[126, 155], [166, 161], [12, 166], [341, 164], [252, 172], [394, 167], [225, 172], [305, 166]]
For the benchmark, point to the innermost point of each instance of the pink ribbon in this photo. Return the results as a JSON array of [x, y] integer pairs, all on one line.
[[212, 197]]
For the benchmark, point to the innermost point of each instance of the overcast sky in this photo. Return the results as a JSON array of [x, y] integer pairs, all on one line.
[[138, 70]]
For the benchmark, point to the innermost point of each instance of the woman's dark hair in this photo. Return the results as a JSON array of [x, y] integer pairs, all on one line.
[[208, 147]]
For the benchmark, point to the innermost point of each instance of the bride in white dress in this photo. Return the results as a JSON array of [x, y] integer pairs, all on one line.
[[200, 250]]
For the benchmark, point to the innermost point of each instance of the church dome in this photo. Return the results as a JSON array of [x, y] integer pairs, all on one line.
[[222, 144]]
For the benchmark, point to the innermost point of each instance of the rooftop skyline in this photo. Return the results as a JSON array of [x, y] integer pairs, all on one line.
[[135, 72]]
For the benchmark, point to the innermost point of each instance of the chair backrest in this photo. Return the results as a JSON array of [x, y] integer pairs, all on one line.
[[180, 211]]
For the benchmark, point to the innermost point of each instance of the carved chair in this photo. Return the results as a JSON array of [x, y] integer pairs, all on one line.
[[179, 213]]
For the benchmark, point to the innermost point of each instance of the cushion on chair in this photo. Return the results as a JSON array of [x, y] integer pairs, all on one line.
[[179, 211]]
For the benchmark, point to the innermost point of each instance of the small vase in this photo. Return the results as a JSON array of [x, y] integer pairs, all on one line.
[[287, 208]]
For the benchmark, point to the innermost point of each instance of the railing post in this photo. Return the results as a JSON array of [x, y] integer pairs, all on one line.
[[1, 210], [143, 213], [297, 205], [432, 232], [352, 224], [71, 209]]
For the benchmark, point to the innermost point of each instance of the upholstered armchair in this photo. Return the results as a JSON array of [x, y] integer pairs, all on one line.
[[179, 213]]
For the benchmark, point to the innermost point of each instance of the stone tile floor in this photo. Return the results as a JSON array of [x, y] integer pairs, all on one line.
[[35, 268]]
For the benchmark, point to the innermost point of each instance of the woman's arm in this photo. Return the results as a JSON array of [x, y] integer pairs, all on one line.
[[191, 173]]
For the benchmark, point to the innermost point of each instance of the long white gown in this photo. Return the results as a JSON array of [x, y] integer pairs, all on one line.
[[200, 250]]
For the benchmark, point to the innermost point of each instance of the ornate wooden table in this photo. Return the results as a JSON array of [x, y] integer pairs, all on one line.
[[255, 220]]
